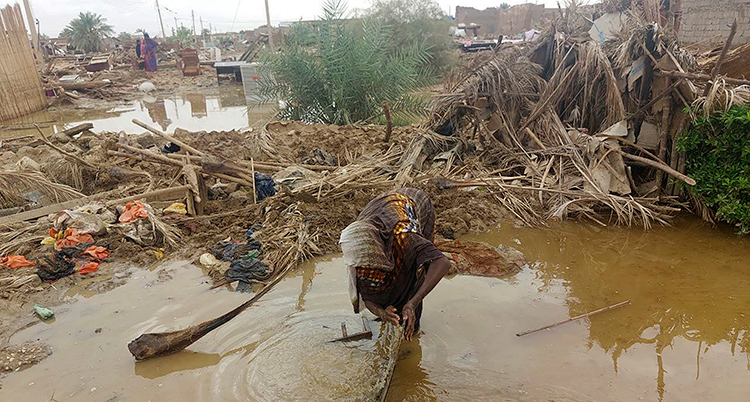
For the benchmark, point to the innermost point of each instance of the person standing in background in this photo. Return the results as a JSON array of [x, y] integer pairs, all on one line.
[[148, 51]]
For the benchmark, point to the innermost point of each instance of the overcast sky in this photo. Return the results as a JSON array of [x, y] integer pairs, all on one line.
[[223, 15]]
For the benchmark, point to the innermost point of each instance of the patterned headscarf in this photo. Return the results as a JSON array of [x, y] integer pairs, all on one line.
[[362, 247]]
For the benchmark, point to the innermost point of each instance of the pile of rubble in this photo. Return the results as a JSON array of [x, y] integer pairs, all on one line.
[[583, 122]]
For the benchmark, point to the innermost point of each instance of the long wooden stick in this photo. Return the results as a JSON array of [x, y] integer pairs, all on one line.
[[699, 77], [168, 137], [658, 165], [723, 54], [151, 345], [578, 317]]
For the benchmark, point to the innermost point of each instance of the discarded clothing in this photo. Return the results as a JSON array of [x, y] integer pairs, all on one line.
[[176, 208], [133, 210], [228, 251], [247, 270], [69, 238], [250, 239], [264, 186], [15, 261], [96, 252], [170, 148], [54, 266], [88, 268]]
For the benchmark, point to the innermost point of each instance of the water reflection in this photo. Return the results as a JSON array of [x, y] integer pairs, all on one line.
[[696, 293], [194, 111]]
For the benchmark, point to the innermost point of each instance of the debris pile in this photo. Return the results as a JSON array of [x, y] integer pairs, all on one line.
[[582, 123]]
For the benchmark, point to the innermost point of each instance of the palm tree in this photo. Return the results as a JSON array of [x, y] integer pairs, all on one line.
[[504, 6], [87, 31]]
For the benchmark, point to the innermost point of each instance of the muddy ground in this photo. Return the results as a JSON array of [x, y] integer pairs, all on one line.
[[289, 143]]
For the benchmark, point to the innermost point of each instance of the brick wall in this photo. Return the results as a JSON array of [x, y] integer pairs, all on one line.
[[703, 20]]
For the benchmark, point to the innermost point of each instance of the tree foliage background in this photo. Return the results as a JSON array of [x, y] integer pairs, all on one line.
[[340, 71], [87, 31], [417, 20]]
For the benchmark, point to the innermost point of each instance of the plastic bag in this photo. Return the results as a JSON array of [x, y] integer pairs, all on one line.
[[15, 261]]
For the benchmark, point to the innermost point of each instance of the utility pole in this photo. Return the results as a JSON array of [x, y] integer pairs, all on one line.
[[158, 11], [270, 30], [201, 20], [176, 27], [32, 31], [195, 36]]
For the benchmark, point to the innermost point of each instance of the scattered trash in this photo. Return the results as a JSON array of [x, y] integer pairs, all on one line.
[[264, 185], [81, 222], [53, 266], [69, 238], [147, 87], [228, 251], [170, 148], [88, 268], [15, 261], [176, 208], [208, 260], [43, 312], [97, 252], [247, 270], [133, 210]]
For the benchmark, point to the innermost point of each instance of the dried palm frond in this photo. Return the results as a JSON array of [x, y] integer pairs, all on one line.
[[15, 185], [169, 234], [721, 97], [592, 88], [64, 171]]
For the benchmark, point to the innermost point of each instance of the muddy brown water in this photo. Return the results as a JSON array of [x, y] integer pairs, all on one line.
[[192, 111], [683, 338]]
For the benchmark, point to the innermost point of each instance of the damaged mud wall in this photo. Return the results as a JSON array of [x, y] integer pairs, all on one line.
[[495, 21], [709, 21], [21, 90]]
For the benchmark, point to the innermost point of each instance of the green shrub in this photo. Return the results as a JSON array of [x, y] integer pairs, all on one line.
[[717, 153], [340, 71]]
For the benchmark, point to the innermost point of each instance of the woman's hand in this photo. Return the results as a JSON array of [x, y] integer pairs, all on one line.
[[388, 314], [409, 319]]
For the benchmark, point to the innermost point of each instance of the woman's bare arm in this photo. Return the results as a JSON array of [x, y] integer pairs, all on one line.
[[435, 272]]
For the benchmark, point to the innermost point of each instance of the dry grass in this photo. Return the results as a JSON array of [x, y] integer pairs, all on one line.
[[15, 185], [721, 97]]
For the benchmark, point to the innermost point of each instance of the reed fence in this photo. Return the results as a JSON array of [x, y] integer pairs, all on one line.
[[21, 89]]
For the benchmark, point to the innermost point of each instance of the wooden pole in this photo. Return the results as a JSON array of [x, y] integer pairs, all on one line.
[[578, 317], [161, 22], [168, 137], [252, 170], [700, 77], [270, 29], [724, 51], [32, 31], [195, 36]]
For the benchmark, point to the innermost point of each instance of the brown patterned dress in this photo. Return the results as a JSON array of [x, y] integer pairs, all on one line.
[[405, 219]]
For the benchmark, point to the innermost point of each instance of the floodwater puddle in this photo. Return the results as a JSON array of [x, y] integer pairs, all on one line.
[[683, 337], [192, 111]]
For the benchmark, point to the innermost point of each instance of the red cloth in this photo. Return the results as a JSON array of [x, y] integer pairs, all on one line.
[[69, 238], [133, 211], [88, 268], [15, 261], [97, 252]]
